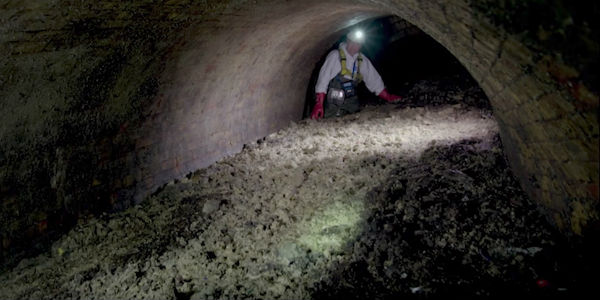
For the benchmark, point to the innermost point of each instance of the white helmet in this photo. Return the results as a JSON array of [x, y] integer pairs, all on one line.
[[357, 36]]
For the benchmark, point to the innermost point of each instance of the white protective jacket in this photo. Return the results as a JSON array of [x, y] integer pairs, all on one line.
[[331, 67]]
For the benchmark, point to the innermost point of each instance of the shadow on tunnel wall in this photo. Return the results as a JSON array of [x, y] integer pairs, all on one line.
[[82, 94], [569, 29]]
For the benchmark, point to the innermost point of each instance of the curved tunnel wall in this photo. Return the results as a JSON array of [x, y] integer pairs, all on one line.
[[550, 133], [233, 73]]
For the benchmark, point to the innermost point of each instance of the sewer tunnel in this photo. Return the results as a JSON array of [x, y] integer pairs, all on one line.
[[109, 102]]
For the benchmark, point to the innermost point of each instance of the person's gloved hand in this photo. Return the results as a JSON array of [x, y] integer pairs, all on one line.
[[317, 112], [389, 97]]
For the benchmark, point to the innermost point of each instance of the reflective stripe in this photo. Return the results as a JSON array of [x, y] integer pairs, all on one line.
[[345, 70]]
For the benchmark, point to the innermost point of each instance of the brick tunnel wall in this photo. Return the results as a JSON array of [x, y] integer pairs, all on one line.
[[104, 102]]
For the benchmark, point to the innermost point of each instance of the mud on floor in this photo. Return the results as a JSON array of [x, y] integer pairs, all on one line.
[[391, 201]]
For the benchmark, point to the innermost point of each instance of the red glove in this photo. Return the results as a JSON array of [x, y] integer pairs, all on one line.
[[317, 112], [389, 97]]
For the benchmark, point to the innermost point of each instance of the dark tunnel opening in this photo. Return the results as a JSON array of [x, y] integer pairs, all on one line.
[[405, 56]]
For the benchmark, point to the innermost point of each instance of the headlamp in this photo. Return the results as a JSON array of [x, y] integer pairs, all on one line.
[[357, 36]]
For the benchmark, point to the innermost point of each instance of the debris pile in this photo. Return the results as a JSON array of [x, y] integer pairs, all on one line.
[[453, 223], [391, 201], [460, 88]]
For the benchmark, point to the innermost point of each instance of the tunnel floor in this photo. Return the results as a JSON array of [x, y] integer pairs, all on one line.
[[394, 200]]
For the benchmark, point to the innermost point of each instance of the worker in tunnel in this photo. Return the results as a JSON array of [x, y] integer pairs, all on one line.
[[342, 71]]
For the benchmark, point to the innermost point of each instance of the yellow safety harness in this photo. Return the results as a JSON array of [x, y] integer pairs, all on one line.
[[355, 76]]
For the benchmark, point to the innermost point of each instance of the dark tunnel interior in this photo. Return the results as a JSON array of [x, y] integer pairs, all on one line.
[[165, 150], [404, 55]]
